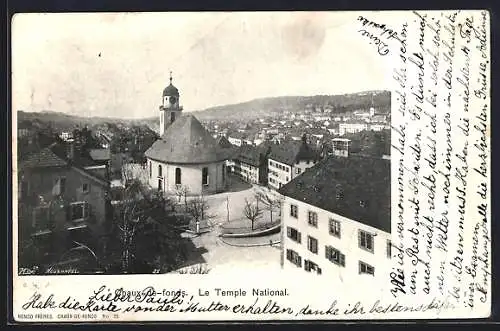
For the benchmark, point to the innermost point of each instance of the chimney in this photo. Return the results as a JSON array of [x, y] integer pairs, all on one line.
[[70, 149]]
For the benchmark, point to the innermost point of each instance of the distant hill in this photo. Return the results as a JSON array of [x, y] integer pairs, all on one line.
[[63, 121], [264, 107], [250, 110]]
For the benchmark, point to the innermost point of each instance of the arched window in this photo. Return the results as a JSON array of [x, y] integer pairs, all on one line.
[[150, 169], [159, 170], [178, 176], [204, 176]]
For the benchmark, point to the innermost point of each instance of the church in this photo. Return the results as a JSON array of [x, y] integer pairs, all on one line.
[[186, 157]]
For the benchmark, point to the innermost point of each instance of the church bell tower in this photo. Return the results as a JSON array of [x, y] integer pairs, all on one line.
[[170, 108]]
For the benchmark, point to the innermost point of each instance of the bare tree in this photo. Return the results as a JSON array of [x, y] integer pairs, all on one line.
[[270, 203], [137, 212], [182, 191], [252, 211], [133, 171], [198, 208]]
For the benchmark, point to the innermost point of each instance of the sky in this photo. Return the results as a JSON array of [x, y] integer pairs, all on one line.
[[117, 64]]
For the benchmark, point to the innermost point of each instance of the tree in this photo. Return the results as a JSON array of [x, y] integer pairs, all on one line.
[[198, 208], [181, 191], [252, 211], [142, 241], [270, 203]]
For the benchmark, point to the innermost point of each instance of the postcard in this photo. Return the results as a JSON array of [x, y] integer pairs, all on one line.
[[251, 166]]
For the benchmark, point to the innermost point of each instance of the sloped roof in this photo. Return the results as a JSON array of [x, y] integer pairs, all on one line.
[[289, 152], [186, 141], [44, 158], [358, 188], [100, 154], [250, 155], [223, 142], [55, 155]]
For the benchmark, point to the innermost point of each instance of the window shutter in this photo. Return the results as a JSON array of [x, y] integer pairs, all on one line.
[[85, 209], [289, 232], [56, 189], [299, 237], [67, 209], [299, 261], [327, 251], [342, 259], [34, 221]]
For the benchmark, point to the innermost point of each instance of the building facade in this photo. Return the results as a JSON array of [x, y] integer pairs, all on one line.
[[195, 178], [57, 192], [336, 220], [352, 127], [287, 160]]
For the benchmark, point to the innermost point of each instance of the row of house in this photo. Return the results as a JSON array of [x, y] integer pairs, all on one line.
[[272, 164], [335, 212]]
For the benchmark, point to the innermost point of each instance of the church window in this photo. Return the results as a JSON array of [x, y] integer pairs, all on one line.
[[204, 175], [160, 184], [150, 169], [177, 176], [159, 170]]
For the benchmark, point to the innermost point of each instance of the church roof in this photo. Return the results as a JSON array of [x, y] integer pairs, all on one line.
[[171, 90], [186, 141]]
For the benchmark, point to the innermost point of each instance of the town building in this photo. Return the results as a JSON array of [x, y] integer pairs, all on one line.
[[24, 129], [237, 138], [336, 219], [186, 157], [59, 188], [288, 160], [340, 146], [65, 135], [251, 163], [352, 127]]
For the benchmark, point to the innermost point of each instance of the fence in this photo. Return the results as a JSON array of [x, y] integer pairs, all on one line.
[[261, 229]]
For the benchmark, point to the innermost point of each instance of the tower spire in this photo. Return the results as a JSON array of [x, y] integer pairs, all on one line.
[[170, 76]]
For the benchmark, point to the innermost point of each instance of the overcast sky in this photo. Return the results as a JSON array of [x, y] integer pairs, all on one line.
[[118, 64]]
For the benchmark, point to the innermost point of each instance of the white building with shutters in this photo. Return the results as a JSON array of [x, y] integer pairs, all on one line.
[[336, 219]]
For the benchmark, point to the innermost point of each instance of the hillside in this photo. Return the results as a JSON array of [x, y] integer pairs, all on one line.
[[250, 110], [63, 121], [259, 108]]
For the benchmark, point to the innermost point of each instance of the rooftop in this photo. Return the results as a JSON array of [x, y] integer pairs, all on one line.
[[186, 141], [56, 155], [289, 152], [354, 187]]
